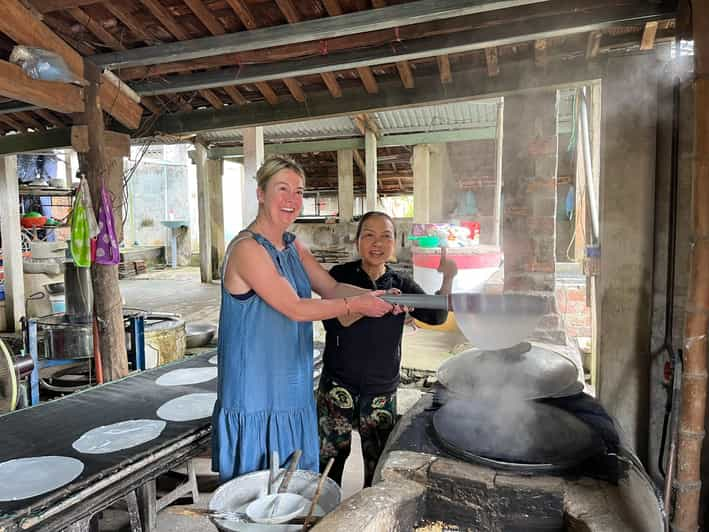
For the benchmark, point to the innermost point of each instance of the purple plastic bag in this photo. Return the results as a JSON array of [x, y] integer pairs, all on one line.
[[107, 251]]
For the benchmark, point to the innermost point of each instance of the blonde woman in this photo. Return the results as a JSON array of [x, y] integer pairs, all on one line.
[[265, 398]]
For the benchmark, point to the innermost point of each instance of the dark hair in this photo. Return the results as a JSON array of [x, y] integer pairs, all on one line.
[[371, 214]]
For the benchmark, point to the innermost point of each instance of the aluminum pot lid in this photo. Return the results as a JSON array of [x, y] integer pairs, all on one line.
[[532, 371], [515, 434]]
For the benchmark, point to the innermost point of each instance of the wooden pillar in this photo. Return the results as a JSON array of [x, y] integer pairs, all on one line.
[[370, 162], [253, 159], [497, 198], [107, 296], [215, 171], [11, 243], [694, 378], [205, 227], [345, 185], [422, 170]]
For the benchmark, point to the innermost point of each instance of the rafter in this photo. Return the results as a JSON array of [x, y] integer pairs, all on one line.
[[540, 53], [444, 68], [268, 93], [308, 30], [123, 14], [289, 11], [14, 124], [648, 39], [493, 68], [50, 117], [164, 17], [407, 77], [295, 89], [206, 17], [235, 95], [214, 100], [27, 118], [368, 80], [593, 44], [332, 84], [243, 12], [94, 27]]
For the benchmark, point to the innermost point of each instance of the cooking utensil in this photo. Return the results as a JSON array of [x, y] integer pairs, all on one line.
[[291, 469], [489, 321], [264, 509], [272, 471], [232, 516], [308, 519]]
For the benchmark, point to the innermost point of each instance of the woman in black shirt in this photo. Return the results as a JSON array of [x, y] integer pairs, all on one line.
[[362, 355]]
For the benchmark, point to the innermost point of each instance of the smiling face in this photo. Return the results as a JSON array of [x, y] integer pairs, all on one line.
[[376, 240], [282, 197]]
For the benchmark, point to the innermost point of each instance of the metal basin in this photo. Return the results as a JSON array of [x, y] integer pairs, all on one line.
[[235, 496], [199, 334]]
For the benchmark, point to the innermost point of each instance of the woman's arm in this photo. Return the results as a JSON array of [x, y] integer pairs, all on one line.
[[250, 267]]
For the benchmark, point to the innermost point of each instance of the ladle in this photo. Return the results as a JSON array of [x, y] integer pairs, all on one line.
[[489, 321]]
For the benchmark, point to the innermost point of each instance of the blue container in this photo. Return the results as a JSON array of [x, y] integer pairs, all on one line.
[[2, 292]]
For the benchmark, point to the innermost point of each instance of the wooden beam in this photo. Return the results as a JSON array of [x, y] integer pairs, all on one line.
[[116, 145], [205, 16], [648, 39], [289, 11], [493, 68], [214, 100], [359, 160], [444, 68], [332, 85], [540, 53], [235, 95], [61, 97], [94, 27], [21, 26], [164, 17], [368, 80], [65, 31], [485, 38], [309, 30], [119, 105], [268, 93], [295, 89], [50, 117], [466, 85], [10, 232], [123, 14], [14, 124], [378, 3], [27, 118], [407, 77], [243, 12], [150, 105], [47, 6], [332, 7], [204, 217], [593, 44]]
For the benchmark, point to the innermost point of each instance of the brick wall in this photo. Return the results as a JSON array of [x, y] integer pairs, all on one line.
[[571, 303]]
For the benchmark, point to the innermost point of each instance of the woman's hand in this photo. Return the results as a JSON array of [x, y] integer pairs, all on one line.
[[447, 267], [370, 304], [398, 309]]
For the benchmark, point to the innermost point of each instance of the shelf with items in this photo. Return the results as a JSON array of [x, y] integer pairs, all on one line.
[[30, 190]]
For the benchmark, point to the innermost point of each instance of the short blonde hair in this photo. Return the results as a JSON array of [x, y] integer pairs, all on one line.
[[275, 164]]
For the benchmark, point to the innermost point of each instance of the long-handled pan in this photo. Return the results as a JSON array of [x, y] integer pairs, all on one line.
[[489, 321]]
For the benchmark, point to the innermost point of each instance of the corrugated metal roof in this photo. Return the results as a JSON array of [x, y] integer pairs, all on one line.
[[450, 116]]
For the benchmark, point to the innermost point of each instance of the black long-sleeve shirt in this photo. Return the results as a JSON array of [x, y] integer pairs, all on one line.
[[365, 357]]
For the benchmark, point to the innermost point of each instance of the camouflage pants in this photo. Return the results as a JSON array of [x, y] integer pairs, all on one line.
[[339, 411]]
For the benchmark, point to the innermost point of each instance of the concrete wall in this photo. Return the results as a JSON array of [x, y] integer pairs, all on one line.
[[529, 170], [628, 145]]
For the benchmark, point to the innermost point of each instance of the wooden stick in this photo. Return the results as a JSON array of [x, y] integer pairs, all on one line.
[[291, 469], [307, 523]]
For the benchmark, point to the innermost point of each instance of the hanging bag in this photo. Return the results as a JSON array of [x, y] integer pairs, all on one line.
[[107, 251]]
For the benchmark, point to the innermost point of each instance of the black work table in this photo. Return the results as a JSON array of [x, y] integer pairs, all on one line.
[[51, 428]]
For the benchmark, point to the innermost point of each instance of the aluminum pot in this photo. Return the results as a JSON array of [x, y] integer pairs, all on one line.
[[64, 340]]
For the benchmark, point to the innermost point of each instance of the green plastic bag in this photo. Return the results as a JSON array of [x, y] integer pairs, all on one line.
[[80, 238]]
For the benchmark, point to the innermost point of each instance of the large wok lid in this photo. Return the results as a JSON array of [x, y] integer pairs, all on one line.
[[527, 370], [518, 435]]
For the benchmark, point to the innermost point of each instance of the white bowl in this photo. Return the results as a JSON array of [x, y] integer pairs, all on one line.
[[276, 508]]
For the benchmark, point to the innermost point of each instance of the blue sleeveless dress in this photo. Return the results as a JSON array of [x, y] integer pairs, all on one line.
[[265, 399]]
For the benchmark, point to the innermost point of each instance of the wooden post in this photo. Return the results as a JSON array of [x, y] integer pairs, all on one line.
[[345, 187], [422, 174], [253, 159], [694, 378], [215, 172], [205, 228], [108, 307], [497, 205], [11, 244], [370, 161]]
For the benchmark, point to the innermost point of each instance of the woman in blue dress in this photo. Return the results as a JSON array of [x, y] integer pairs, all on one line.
[[265, 398]]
